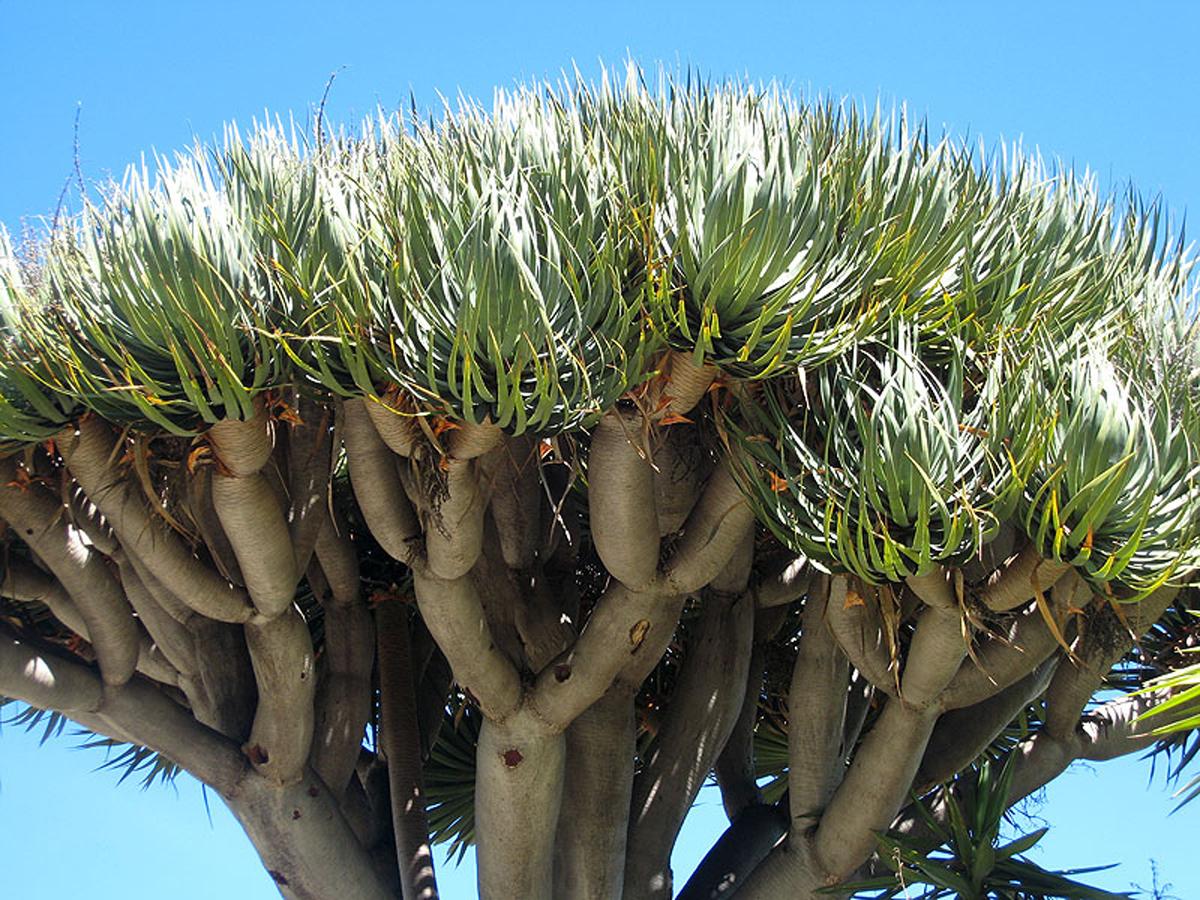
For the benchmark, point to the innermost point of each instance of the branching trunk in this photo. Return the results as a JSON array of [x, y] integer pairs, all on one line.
[[518, 792], [305, 843], [241, 701], [41, 522]]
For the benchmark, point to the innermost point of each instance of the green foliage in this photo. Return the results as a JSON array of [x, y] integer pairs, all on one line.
[[1179, 711], [1114, 493], [153, 305], [970, 862], [132, 759], [450, 780], [879, 463]]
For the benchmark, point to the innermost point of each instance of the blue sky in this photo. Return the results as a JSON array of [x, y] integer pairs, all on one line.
[[1097, 84]]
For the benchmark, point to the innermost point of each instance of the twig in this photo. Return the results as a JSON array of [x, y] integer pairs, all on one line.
[[78, 174], [320, 126]]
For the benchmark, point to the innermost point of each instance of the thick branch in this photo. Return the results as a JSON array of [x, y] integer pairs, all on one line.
[[541, 617], [454, 524], [401, 746], [516, 503], [200, 491], [961, 735], [702, 712], [257, 531], [227, 677], [711, 534], [304, 841], [468, 441], [243, 445], [884, 767], [282, 655], [621, 501], [787, 585], [626, 627], [1109, 731], [456, 618], [398, 430], [377, 486], [46, 680], [874, 788], [26, 583], [683, 385], [745, 843], [937, 650], [150, 718], [172, 637], [343, 702], [933, 588], [681, 465], [1027, 574], [136, 711], [735, 769], [817, 707], [309, 465], [339, 562], [1002, 660], [857, 627], [1105, 640]]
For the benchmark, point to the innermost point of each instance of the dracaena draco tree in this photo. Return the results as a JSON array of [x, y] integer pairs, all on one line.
[[531, 465]]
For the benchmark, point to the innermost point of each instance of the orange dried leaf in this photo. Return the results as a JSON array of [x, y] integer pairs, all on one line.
[[196, 457], [674, 419], [978, 432], [22, 480]]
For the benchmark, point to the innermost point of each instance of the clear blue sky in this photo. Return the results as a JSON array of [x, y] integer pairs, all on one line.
[[1105, 85]]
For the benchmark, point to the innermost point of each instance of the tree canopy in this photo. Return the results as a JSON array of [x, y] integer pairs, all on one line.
[[543, 460]]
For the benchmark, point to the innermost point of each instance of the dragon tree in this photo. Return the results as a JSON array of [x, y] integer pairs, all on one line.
[[501, 477]]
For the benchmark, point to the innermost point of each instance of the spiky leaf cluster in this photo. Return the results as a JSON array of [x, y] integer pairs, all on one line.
[[879, 462]]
